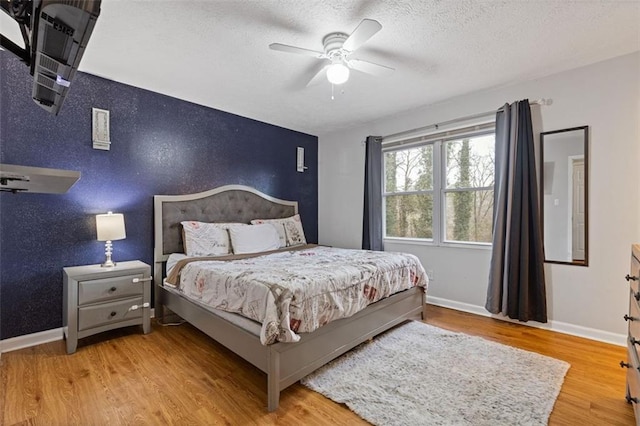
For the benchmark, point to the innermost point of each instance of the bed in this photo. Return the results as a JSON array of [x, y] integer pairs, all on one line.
[[284, 363]]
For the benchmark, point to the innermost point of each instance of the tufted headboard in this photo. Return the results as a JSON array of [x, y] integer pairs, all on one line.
[[230, 203]]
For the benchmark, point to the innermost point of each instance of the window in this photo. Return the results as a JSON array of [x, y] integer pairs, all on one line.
[[439, 188]]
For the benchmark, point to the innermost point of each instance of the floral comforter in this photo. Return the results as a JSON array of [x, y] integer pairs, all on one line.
[[298, 291]]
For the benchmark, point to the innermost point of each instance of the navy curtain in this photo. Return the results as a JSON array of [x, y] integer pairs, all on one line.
[[516, 278], [372, 219]]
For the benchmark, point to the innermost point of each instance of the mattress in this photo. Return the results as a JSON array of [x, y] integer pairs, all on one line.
[[251, 326], [297, 291]]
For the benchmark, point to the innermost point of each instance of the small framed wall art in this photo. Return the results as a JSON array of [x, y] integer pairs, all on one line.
[[101, 135]]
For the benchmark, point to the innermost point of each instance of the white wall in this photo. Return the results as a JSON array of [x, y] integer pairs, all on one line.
[[584, 300]]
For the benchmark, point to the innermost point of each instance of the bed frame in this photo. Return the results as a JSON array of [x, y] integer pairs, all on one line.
[[284, 363]]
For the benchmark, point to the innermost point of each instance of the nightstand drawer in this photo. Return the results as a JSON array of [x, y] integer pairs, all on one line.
[[109, 288], [107, 313]]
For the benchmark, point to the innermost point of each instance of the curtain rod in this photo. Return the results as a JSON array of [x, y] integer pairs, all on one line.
[[541, 101]]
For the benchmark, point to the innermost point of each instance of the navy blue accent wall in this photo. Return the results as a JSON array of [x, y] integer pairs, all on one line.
[[160, 145]]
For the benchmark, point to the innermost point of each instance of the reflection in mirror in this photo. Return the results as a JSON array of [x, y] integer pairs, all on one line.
[[564, 201]]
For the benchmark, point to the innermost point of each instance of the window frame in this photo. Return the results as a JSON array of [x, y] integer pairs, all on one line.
[[439, 190], [385, 194]]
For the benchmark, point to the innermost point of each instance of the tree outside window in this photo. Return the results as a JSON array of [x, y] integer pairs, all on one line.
[[466, 191], [470, 167], [409, 189]]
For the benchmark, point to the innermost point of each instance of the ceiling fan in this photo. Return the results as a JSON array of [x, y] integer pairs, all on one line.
[[338, 48]]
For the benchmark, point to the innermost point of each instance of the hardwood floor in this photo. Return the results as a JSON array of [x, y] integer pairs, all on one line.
[[177, 375]]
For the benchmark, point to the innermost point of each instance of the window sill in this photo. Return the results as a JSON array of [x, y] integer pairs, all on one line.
[[429, 243]]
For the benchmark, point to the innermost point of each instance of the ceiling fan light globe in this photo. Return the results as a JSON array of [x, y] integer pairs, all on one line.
[[337, 73]]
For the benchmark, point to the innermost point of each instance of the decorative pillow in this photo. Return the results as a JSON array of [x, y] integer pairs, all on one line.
[[293, 231], [205, 239], [254, 239]]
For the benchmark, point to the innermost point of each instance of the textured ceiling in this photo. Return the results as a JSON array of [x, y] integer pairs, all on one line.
[[215, 53]]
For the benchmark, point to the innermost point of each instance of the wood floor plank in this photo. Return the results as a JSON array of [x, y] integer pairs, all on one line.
[[177, 375]]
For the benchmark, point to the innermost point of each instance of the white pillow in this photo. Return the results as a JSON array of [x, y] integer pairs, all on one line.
[[205, 239], [292, 227], [254, 238], [278, 226]]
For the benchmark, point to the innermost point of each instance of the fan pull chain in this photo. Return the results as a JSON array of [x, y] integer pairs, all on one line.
[[332, 98]]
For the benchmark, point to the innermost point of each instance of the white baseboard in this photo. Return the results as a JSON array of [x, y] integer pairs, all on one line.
[[28, 340], [34, 339], [21, 342], [557, 326]]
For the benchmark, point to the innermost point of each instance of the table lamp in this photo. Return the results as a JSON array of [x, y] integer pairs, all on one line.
[[110, 227]]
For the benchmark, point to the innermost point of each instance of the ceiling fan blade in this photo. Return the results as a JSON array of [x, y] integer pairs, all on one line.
[[364, 31], [298, 50], [369, 67], [320, 75]]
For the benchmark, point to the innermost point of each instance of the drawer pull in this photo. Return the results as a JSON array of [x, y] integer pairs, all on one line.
[[624, 365], [112, 289], [631, 278], [140, 280], [636, 296], [634, 341], [112, 314], [631, 399], [628, 318]]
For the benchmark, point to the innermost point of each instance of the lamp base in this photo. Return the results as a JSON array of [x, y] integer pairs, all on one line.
[[108, 264]]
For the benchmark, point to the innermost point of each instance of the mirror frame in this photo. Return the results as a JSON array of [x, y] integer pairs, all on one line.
[[585, 130]]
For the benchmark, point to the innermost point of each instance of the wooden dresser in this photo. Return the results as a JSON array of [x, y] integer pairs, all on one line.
[[633, 342]]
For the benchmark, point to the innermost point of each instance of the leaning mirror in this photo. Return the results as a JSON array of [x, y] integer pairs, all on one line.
[[565, 195]]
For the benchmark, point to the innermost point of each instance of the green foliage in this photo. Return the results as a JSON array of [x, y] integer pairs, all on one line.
[[462, 201], [409, 181], [391, 211], [409, 170], [424, 225]]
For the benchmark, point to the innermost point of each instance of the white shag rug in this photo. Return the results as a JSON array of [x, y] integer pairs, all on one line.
[[418, 374]]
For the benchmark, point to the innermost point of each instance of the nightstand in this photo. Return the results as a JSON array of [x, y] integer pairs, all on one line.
[[98, 299]]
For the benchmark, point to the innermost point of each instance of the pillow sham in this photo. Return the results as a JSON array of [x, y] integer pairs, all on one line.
[[293, 231], [254, 238], [207, 239], [278, 226]]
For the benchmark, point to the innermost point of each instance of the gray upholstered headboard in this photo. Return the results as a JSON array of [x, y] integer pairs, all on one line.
[[231, 203]]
